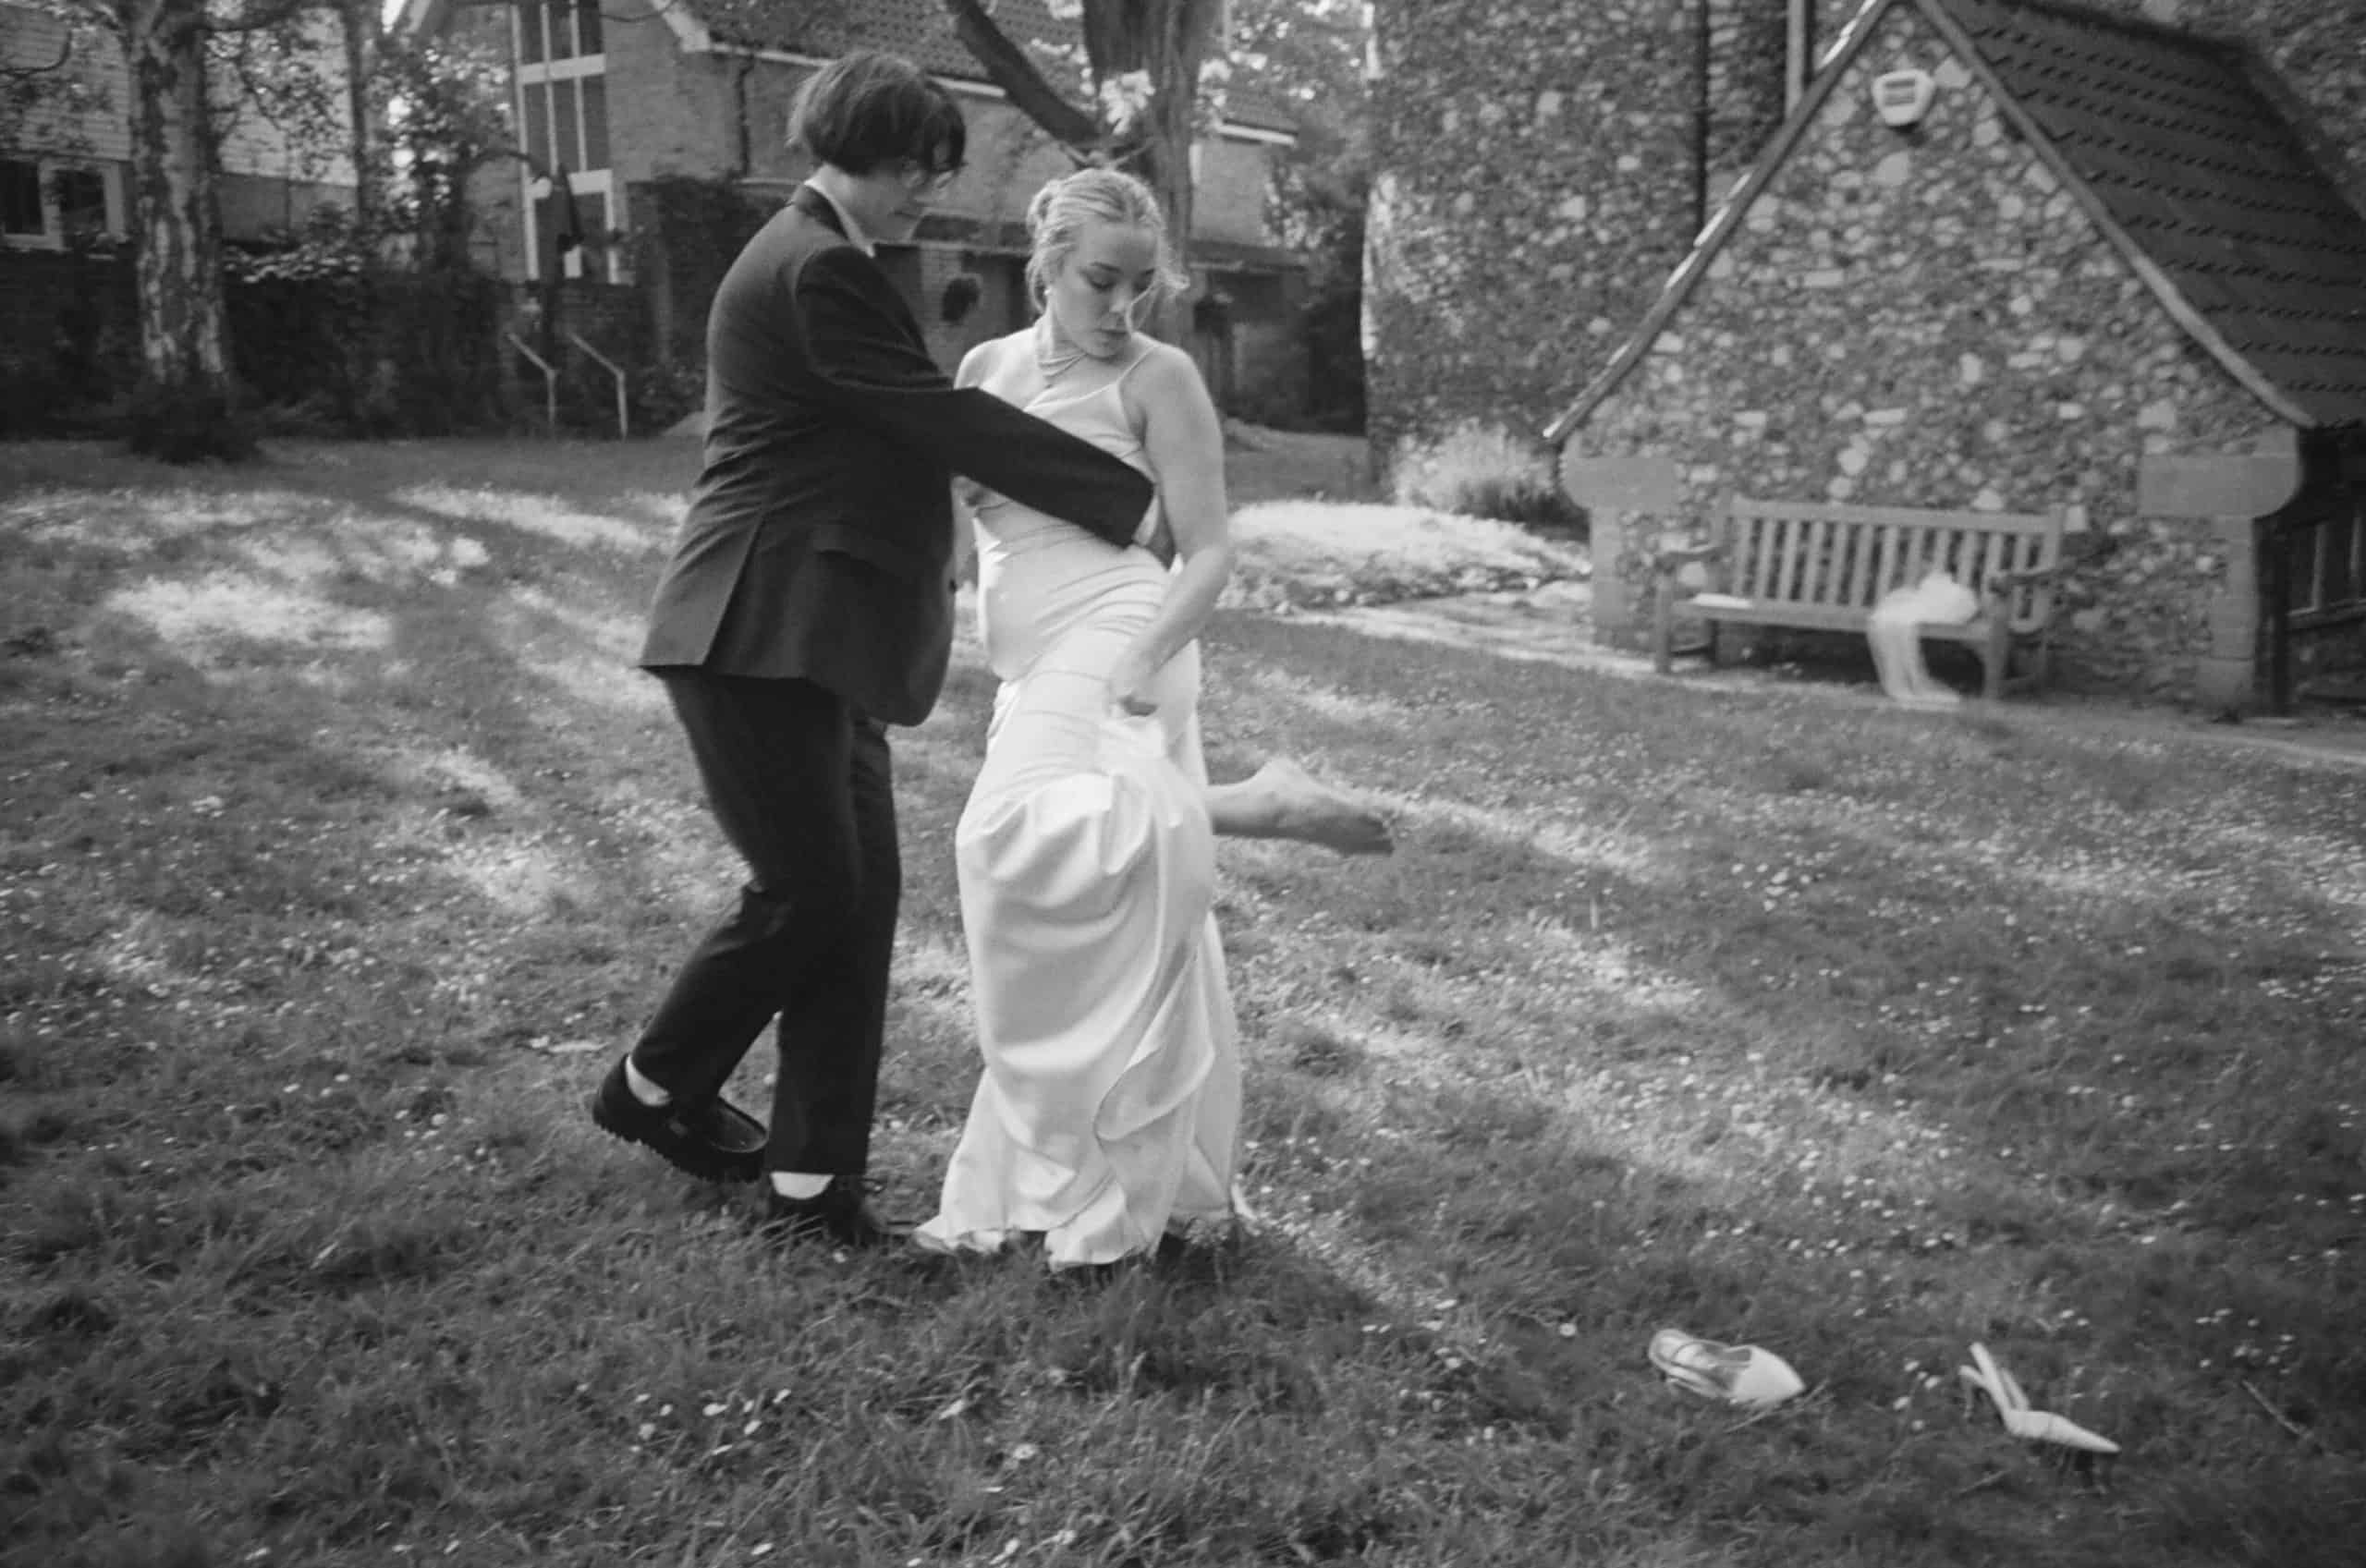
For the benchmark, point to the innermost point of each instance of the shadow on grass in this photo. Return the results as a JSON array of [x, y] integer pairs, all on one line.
[[1857, 1037]]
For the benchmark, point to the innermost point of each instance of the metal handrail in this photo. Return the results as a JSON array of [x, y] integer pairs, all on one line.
[[624, 424], [550, 379]]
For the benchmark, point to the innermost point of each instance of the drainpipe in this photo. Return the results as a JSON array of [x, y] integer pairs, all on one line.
[[1798, 42], [1703, 48]]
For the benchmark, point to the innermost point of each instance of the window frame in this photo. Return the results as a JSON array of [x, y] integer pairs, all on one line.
[[2330, 550], [113, 225], [546, 73]]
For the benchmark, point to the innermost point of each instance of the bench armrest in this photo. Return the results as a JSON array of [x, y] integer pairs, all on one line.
[[2062, 570], [2006, 583], [1675, 557]]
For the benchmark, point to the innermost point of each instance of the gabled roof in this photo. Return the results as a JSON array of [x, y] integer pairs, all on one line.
[[920, 30], [2176, 145]]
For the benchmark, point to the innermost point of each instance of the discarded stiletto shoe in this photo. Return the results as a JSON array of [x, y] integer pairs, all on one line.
[[1737, 1374], [2031, 1426]]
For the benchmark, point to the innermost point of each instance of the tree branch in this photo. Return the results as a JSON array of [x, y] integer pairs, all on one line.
[[257, 15], [1007, 66], [17, 73]]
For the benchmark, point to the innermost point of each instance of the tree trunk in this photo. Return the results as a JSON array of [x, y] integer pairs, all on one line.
[[358, 21], [1169, 41], [185, 406], [1174, 44]]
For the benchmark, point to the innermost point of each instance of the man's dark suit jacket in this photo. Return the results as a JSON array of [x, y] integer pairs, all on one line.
[[819, 540]]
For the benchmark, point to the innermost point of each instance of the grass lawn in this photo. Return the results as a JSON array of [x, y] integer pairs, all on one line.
[[342, 849]]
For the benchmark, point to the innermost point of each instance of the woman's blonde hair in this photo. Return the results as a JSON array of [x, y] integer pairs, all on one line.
[[1059, 212]]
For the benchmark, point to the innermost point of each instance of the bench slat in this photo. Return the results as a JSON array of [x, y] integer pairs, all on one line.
[[1786, 572], [1842, 511], [1995, 556], [1854, 557], [1762, 532], [1820, 617], [1817, 589], [1810, 617]]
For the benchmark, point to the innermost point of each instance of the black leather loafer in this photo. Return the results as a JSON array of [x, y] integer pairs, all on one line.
[[711, 1139], [840, 1215]]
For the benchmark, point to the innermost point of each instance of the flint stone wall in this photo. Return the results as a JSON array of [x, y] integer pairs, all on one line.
[[1534, 167], [1934, 322]]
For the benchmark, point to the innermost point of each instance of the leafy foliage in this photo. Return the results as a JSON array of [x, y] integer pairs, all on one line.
[[1484, 471], [1310, 55], [188, 422], [1141, 69], [38, 85], [337, 343], [447, 114], [285, 75]]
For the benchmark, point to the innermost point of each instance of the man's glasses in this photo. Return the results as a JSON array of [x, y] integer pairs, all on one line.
[[923, 181]]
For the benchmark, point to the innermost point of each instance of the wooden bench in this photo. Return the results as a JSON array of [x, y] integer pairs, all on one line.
[[1823, 565]]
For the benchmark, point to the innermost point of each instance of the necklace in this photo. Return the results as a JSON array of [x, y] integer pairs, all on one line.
[[1052, 355]]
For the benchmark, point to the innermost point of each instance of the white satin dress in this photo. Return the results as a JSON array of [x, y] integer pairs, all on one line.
[[1108, 1108]]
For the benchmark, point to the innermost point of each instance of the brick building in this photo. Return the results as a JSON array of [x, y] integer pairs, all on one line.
[[644, 101]]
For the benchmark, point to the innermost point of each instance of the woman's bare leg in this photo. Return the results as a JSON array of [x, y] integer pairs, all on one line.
[[1283, 800]]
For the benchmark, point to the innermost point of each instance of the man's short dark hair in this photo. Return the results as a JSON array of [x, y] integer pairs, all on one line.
[[870, 107]]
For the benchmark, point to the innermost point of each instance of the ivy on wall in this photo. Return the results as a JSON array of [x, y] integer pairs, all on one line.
[[321, 342], [352, 349], [689, 231]]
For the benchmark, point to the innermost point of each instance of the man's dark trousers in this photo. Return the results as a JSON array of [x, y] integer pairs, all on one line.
[[800, 784]]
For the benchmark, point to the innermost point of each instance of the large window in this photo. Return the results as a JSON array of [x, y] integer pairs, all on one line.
[[20, 204], [2327, 560], [563, 113], [47, 203], [557, 30]]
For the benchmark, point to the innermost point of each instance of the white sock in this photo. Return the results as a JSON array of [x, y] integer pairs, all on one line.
[[796, 1183], [648, 1093]]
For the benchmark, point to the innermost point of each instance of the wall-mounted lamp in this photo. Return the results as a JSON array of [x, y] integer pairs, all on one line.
[[962, 292], [1902, 98]]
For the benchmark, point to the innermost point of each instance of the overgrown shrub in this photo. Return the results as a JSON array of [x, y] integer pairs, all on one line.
[[188, 423], [688, 231], [37, 399], [1481, 471], [438, 371], [333, 343], [663, 393], [71, 344]]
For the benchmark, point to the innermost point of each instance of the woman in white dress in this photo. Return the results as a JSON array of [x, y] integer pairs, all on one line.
[[1107, 1111]]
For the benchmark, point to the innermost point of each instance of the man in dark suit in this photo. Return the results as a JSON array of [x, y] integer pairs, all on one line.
[[808, 604]]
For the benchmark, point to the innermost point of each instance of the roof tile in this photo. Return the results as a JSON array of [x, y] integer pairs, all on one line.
[[2186, 153]]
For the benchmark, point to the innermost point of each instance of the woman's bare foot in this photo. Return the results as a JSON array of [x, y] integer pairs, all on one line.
[[1285, 801]]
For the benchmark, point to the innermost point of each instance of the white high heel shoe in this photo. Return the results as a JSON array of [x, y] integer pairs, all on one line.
[[1737, 1374], [2033, 1425]]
